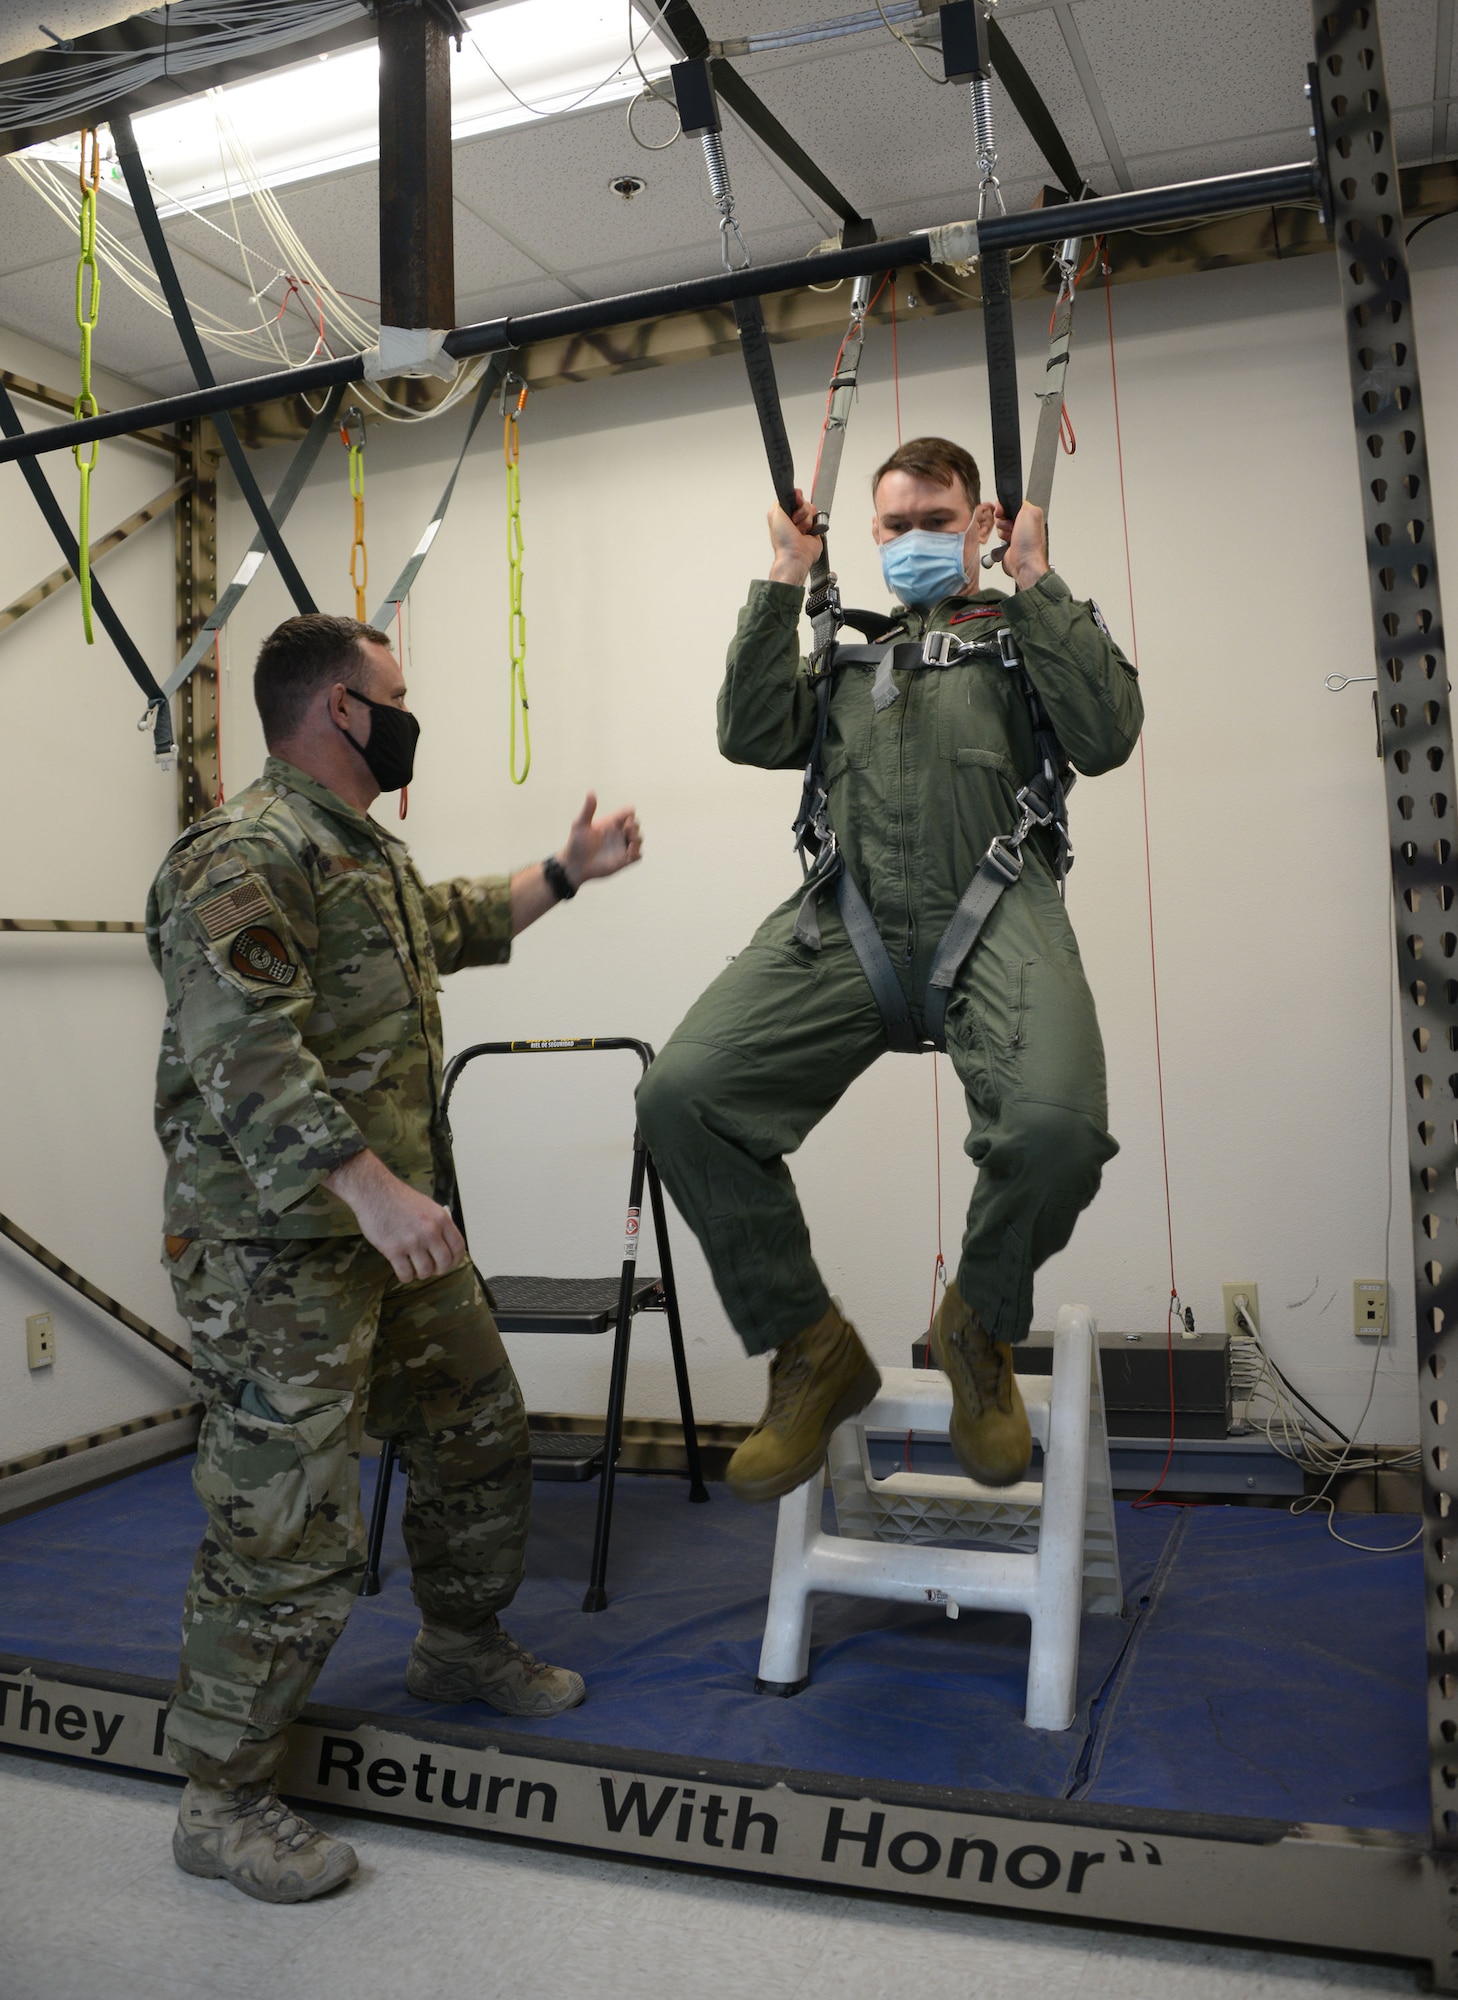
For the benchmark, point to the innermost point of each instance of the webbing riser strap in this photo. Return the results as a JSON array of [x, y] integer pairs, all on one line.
[[499, 364], [60, 527], [1050, 396], [305, 457], [759, 365], [1002, 380]]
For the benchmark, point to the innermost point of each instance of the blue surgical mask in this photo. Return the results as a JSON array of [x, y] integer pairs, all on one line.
[[923, 566]]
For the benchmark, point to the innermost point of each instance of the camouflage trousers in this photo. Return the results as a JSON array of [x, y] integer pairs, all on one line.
[[299, 1347]]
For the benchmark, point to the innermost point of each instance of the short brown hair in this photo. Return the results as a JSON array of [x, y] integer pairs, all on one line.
[[301, 656], [936, 459]]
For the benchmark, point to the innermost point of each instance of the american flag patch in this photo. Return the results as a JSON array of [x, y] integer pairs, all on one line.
[[222, 915]]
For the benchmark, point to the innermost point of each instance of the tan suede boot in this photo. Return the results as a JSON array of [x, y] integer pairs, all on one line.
[[246, 1835], [818, 1378], [989, 1428], [491, 1667]]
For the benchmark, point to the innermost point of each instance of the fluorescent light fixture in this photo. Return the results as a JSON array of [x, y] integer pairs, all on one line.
[[522, 60]]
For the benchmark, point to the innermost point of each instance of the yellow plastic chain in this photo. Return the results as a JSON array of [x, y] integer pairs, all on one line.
[[88, 301], [353, 433], [516, 617]]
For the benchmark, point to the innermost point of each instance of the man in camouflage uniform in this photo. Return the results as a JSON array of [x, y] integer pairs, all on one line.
[[922, 765], [311, 1247]]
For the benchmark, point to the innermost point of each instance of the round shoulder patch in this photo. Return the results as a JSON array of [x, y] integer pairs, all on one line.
[[259, 953]]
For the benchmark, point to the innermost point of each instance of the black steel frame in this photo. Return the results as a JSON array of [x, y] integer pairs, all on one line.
[[1321, 1886], [1269, 187], [643, 1170]]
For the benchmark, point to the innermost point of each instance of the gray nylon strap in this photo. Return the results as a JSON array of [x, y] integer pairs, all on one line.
[[875, 963], [998, 869], [1050, 396], [300, 466], [499, 365]]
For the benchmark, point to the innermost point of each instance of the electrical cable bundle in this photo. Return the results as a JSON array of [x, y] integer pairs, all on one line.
[[1255, 1376], [84, 83]]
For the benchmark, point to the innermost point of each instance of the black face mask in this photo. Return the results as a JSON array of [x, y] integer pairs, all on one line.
[[389, 749]]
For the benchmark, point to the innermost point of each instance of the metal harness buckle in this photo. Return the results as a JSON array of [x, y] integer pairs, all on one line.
[[943, 649], [1007, 645]]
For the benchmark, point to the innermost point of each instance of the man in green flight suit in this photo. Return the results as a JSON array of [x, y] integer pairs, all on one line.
[[921, 766], [312, 1249]]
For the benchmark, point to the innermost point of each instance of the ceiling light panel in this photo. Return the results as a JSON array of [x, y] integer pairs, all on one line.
[[523, 61]]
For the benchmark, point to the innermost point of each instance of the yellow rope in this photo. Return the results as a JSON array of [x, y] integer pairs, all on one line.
[[353, 432], [88, 301], [516, 617]]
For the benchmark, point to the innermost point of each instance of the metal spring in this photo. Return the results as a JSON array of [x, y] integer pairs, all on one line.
[[718, 170]]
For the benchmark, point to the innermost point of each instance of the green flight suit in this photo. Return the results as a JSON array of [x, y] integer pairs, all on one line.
[[301, 953], [917, 792]]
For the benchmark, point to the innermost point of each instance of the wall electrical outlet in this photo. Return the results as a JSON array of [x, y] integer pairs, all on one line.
[[1244, 1290], [1369, 1309], [40, 1340]]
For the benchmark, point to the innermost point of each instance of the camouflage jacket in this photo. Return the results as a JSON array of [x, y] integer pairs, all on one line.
[[301, 954]]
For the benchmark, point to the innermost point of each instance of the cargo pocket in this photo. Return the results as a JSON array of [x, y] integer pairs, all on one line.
[[275, 1473]]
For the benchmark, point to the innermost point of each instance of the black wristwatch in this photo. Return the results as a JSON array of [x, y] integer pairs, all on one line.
[[558, 880]]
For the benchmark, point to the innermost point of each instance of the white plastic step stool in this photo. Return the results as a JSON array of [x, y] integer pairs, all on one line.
[[1045, 1548]]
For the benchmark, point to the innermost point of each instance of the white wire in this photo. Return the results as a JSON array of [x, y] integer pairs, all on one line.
[[906, 43]]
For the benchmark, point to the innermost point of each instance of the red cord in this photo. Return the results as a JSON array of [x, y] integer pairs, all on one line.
[[1149, 900]]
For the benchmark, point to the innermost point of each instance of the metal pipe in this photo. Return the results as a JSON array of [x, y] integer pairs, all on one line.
[[1231, 193]]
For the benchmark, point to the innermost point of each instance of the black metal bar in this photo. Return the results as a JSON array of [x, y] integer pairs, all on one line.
[[55, 519], [417, 244], [697, 1488], [379, 1513], [1231, 194], [129, 159], [612, 1442]]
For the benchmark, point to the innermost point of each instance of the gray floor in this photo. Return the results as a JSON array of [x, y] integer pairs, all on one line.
[[92, 1908]]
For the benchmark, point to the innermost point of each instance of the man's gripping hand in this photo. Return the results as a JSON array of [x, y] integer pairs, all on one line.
[[793, 540], [415, 1233], [597, 847], [1025, 557]]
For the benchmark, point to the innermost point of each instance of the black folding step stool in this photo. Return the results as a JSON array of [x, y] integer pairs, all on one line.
[[576, 1305]]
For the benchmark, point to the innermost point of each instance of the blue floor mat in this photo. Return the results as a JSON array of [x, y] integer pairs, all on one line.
[[1263, 1670]]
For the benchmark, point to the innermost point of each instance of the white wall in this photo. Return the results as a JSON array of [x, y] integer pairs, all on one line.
[[643, 503]]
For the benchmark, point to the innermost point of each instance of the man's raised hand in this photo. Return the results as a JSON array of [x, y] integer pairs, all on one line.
[[598, 847]]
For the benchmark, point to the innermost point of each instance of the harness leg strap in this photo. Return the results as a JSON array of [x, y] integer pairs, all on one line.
[[998, 869], [875, 963]]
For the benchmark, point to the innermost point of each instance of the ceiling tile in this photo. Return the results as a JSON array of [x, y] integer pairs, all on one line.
[[1038, 44], [884, 132], [539, 296], [549, 188], [1410, 41], [1172, 75], [30, 233]]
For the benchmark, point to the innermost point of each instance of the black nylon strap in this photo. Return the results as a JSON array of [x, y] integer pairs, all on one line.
[[130, 161], [688, 31], [60, 527], [1032, 110], [1002, 380], [759, 365]]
